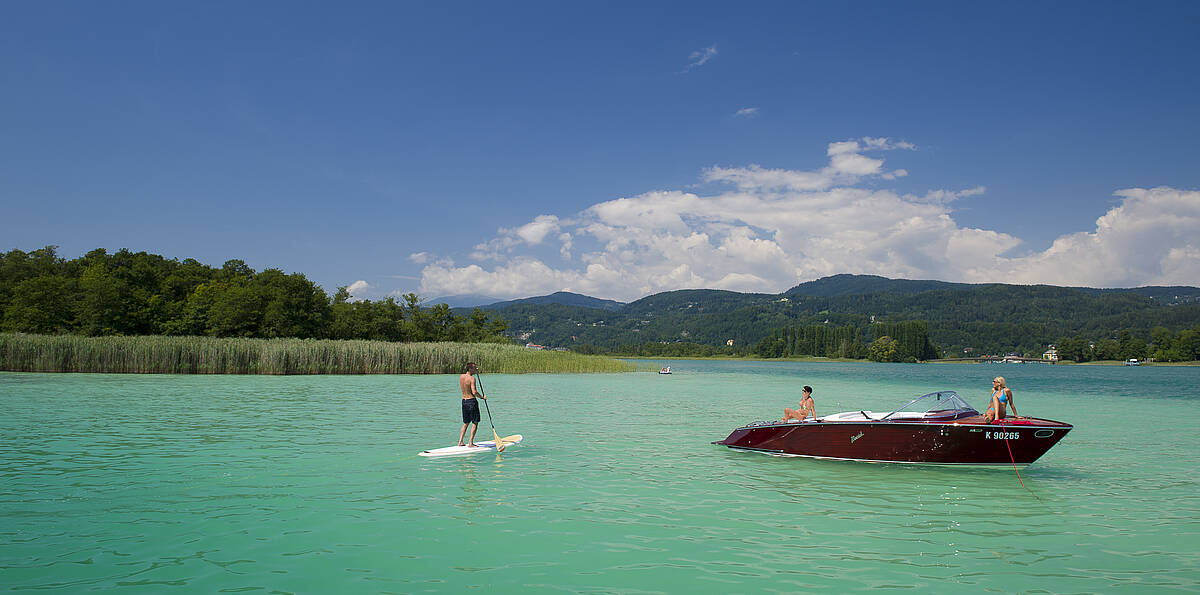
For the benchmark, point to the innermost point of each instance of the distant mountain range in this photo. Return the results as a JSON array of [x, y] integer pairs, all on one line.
[[989, 317], [836, 285], [466, 300], [867, 284], [565, 298], [863, 284]]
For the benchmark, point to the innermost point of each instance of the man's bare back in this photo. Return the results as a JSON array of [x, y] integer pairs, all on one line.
[[470, 406], [466, 382]]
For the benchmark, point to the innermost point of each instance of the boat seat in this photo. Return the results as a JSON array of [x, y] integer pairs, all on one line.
[[853, 416]]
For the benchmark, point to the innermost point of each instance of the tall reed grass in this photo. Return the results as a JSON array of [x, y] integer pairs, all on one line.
[[207, 355]]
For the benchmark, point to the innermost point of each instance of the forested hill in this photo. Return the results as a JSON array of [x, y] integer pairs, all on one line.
[[564, 298], [846, 284], [1167, 296], [985, 318]]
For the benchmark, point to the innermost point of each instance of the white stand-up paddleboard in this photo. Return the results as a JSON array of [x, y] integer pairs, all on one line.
[[485, 446]]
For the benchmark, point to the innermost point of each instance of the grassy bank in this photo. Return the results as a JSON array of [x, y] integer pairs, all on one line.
[[206, 355]]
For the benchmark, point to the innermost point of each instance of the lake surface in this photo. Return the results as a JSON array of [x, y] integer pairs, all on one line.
[[313, 484]]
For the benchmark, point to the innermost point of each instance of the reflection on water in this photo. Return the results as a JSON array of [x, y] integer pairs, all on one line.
[[470, 497]]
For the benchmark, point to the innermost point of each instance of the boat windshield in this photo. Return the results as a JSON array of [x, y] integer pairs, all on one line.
[[944, 404]]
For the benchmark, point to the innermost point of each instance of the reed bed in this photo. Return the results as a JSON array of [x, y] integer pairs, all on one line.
[[207, 355]]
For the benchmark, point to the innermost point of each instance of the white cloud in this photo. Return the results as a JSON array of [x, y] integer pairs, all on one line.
[[535, 231], [946, 196], [887, 144], [743, 282], [419, 257], [840, 147], [847, 165], [746, 112], [520, 277], [701, 57], [531, 234], [566, 240], [756, 177], [855, 164], [1150, 238], [768, 229], [358, 290]]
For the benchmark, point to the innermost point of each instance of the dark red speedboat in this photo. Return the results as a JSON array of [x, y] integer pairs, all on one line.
[[938, 429]]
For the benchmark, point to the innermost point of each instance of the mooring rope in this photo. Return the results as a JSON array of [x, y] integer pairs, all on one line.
[[1014, 464]]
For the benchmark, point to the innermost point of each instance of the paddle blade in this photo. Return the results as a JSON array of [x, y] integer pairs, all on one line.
[[499, 442]]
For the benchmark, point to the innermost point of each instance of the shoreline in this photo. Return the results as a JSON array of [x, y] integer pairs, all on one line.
[[159, 354], [952, 361]]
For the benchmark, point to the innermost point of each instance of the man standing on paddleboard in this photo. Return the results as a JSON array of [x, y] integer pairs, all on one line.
[[470, 405]]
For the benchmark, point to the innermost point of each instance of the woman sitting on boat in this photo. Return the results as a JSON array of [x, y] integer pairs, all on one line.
[[1001, 396], [807, 407]]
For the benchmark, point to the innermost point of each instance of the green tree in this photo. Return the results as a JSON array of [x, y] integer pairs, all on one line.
[[1075, 349], [236, 310], [346, 320], [480, 327], [40, 305], [17, 266], [772, 346], [235, 268], [883, 349], [103, 305], [1108, 349], [293, 306], [420, 324], [1134, 348], [1188, 344], [1161, 337]]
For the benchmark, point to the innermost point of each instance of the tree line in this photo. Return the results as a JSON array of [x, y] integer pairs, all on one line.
[[664, 349], [883, 342], [128, 293], [1164, 346]]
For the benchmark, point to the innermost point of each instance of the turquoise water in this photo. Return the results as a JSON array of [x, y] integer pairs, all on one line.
[[312, 484]]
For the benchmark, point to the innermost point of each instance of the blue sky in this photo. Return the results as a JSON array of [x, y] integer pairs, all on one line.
[[611, 149]]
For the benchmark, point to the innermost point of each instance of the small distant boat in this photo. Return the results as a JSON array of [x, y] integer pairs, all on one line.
[[939, 428], [1133, 362], [666, 370]]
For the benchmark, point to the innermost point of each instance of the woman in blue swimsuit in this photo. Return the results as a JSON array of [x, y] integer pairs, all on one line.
[[1001, 397]]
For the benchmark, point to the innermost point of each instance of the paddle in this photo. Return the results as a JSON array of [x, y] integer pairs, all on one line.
[[499, 442]]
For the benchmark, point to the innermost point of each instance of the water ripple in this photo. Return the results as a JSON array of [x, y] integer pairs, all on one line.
[[231, 484]]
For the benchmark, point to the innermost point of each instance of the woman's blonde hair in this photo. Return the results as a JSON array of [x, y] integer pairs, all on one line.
[[1000, 379]]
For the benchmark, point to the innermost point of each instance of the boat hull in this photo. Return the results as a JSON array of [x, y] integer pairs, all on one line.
[[964, 442]]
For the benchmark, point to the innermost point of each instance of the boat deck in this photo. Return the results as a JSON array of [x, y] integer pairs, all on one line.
[[914, 417]]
